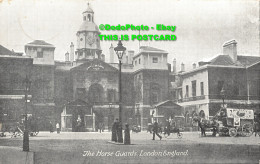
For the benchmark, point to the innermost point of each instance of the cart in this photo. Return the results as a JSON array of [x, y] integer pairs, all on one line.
[[235, 122]]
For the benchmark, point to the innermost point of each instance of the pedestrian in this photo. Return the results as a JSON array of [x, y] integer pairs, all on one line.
[[58, 128], [114, 132], [101, 125], [155, 130], [168, 126], [127, 135], [51, 127], [78, 125]]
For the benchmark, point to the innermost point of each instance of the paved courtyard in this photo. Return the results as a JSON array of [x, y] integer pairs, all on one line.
[[81, 147]]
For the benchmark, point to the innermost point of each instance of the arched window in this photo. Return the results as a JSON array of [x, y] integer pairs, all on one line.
[[96, 92], [89, 17]]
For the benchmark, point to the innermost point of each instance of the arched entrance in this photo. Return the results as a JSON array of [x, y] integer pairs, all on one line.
[[77, 116]]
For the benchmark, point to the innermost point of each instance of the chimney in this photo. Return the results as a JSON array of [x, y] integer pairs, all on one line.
[[103, 57], [194, 65], [182, 67], [174, 65], [71, 52], [230, 48], [111, 54], [67, 56], [169, 67]]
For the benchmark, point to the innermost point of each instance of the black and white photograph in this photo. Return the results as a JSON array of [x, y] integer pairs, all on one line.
[[133, 81]]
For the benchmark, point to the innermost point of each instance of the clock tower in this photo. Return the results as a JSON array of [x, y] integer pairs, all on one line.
[[88, 41]]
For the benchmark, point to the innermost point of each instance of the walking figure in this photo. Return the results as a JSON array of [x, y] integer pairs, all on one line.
[[114, 131], [51, 127], [101, 126], [155, 130], [58, 128]]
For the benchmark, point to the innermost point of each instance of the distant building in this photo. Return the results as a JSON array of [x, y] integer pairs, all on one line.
[[199, 90], [82, 91], [90, 81], [13, 70]]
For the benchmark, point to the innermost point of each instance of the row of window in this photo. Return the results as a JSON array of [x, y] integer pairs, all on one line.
[[231, 88], [155, 60], [194, 90]]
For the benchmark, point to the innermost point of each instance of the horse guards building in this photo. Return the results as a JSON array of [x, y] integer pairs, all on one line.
[[82, 91]]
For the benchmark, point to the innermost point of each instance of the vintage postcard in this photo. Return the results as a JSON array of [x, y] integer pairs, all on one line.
[[134, 81]]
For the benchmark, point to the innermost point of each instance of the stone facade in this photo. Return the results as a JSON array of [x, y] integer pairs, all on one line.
[[199, 90], [13, 71]]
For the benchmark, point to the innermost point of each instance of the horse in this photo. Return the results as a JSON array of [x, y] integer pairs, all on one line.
[[204, 124]]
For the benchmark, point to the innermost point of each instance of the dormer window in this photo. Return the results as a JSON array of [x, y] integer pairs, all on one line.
[[84, 18]]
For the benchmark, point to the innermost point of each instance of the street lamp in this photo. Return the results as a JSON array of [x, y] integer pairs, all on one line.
[[110, 116], [223, 94], [26, 133], [120, 50], [137, 115]]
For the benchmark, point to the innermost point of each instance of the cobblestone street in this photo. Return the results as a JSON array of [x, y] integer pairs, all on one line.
[[69, 147]]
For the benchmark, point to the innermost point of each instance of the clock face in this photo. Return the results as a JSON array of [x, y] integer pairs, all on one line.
[[90, 38]]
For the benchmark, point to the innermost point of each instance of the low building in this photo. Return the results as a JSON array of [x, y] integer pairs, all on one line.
[[238, 76]]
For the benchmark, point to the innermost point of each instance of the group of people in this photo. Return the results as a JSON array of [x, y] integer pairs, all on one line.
[[116, 129], [117, 133], [57, 128]]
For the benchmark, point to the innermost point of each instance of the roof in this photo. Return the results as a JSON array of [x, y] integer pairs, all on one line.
[[147, 48], [225, 60], [5, 51], [39, 43], [88, 26], [89, 9], [221, 60], [248, 60], [94, 65], [167, 103]]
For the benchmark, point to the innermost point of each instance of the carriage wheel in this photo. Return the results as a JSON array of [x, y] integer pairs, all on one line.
[[247, 130], [179, 135], [232, 132]]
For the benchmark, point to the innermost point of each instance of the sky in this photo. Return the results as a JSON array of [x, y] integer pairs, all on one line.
[[202, 26]]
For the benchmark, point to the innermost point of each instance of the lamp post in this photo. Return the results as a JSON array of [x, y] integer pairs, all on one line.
[[137, 115], [120, 50], [222, 93], [26, 133], [110, 116]]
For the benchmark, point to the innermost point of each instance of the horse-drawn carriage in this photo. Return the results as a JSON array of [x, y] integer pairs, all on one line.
[[235, 122], [229, 122]]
